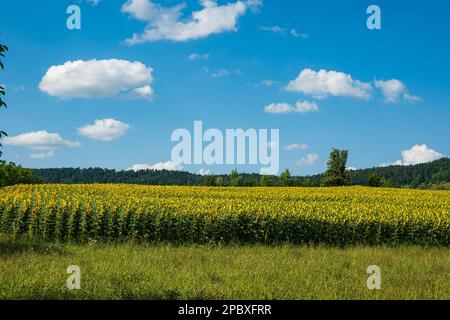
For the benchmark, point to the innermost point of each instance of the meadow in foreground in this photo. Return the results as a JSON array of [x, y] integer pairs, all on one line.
[[182, 215], [31, 270]]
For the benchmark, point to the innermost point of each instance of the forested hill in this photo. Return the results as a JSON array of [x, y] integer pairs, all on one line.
[[419, 176]]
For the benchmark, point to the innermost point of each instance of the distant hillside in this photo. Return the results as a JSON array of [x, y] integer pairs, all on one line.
[[428, 175]]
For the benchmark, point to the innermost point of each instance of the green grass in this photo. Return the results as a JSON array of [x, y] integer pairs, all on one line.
[[130, 271]]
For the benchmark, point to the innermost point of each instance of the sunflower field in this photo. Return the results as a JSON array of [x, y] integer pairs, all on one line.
[[335, 216]]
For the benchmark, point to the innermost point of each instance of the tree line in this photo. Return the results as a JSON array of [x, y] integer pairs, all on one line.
[[427, 175]]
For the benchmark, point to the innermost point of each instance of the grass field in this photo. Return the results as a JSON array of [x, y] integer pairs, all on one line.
[[129, 271]]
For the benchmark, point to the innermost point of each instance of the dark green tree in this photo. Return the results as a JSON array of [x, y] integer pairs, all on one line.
[[336, 174], [235, 179], [3, 50], [210, 180], [286, 178], [250, 182], [374, 180], [11, 174], [219, 181], [266, 181]]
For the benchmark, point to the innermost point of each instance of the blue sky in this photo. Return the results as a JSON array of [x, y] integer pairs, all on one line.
[[381, 94]]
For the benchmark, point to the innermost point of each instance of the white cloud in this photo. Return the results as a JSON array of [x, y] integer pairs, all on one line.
[[274, 29], [351, 168], [267, 83], [388, 164], [220, 73], [198, 56], [140, 167], [95, 78], [306, 106], [420, 154], [204, 172], [296, 146], [145, 92], [310, 160], [43, 155], [297, 34], [278, 108], [416, 155], [300, 107], [39, 140], [324, 83], [93, 2], [394, 90], [168, 23], [105, 130], [169, 165], [283, 31]]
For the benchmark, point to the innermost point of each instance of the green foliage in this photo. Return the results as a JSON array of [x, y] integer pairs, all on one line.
[[210, 180], [286, 179], [430, 174], [219, 181], [266, 181], [235, 179], [420, 175], [10, 174], [375, 180], [336, 174]]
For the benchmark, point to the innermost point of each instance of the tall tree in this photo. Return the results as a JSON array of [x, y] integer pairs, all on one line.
[[3, 50], [286, 178], [266, 181], [336, 174], [235, 179]]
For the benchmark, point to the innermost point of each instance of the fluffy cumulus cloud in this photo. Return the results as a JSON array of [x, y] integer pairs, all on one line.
[[420, 154], [394, 91], [145, 92], [296, 146], [169, 165], [167, 23], [105, 130], [39, 140], [299, 107], [416, 155], [97, 78], [310, 160], [323, 83]]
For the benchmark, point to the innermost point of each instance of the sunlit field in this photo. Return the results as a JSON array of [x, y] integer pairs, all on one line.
[[183, 215], [141, 242]]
